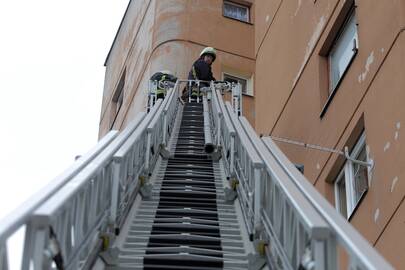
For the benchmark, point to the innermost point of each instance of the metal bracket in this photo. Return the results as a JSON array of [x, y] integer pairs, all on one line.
[[230, 195], [230, 192], [164, 152], [146, 191], [146, 188], [53, 251], [216, 155], [234, 183], [256, 261], [110, 256], [306, 262], [260, 246], [106, 240], [362, 163]]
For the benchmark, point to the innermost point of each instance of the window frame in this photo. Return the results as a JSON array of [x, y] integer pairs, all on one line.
[[340, 178], [236, 5], [248, 91], [331, 47], [349, 178], [117, 99], [351, 15]]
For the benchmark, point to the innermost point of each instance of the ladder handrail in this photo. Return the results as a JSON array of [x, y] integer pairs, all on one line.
[[298, 207], [248, 166], [125, 165], [216, 115], [154, 137], [253, 155], [337, 233], [362, 254], [66, 209], [170, 95], [227, 119], [80, 211], [19, 217], [247, 152], [225, 131], [170, 113]]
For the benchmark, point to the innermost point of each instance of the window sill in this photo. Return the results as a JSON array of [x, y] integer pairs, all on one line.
[[247, 95], [249, 23], [329, 99]]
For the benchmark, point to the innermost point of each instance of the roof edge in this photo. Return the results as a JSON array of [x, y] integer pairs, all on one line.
[[116, 34]]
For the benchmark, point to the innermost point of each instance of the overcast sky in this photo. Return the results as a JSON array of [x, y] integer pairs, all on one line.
[[51, 82]]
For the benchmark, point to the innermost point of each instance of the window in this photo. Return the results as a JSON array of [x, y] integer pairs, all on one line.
[[236, 11], [343, 51], [234, 79], [117, 99], [352, 182]]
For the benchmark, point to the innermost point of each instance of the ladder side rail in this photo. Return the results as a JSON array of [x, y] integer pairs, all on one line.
[[131, 176], [168, 110], [172, 111], [78, 211], [216, 116], [155, 138], [170, 115], [4, 257], [289, 219], [248, 166], [151, 149], [361, 254], [227, 137], [152, 92], [128, 164], [21, 216]]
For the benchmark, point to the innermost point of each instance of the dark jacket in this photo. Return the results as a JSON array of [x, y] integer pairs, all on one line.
[[202, 72], [158, 76]]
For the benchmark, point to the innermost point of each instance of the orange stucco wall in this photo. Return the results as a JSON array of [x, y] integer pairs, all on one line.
[[291, 91]]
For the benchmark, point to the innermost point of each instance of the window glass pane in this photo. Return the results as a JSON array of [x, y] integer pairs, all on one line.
[[342, 52], [233, 79], [235, 11], [360, 176], [341, 200]]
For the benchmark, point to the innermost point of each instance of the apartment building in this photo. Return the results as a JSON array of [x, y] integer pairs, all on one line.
[[169, 35]]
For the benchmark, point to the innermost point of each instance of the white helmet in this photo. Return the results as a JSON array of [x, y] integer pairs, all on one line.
[[209, 51]]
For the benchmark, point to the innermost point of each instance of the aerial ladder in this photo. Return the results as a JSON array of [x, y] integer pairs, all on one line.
[[188, 185]]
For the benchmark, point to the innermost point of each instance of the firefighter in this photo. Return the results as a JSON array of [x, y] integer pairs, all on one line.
[[161, 77], [201, 69]]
